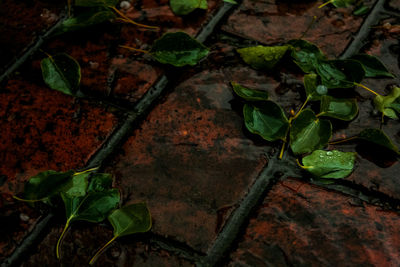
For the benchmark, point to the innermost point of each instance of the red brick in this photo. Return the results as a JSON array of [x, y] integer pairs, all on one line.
[[303, 225], [42, 129], [21, 23], [270, 22], [82, 241]]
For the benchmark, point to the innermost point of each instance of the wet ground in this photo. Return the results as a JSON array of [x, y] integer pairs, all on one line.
[[175, 139]]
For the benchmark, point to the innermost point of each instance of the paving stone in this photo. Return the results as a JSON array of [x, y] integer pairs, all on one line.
[[42, 129], [303, 225], [21, 22], [271, 22], [82, 241]]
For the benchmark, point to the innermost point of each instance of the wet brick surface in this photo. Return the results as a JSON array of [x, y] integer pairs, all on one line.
[[271, 22], [303, 225]]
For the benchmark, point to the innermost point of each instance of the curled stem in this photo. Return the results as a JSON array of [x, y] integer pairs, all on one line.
[[326, 3], [61, 238], [126, 19], [366, 88], [98, 253], [134, 49]]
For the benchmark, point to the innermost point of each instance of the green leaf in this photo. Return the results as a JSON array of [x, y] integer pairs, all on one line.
[[361, 10], [309, 133], [184, 7], [77, 186], [340, 73], [249, 94], [378, 137], [178, 49], [231, 2], [313, 90], [100, 182], [343, 3], [93, 3], [389, 104], [267, 120], [130, 219], [373, 67], [262, 57], [339, 108], [46, 184], [88, 19], [62, 73], [329, 164], [93, 207], [306, 55]]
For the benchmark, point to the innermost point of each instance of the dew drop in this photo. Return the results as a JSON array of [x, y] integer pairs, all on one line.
[[322, 89], [329, 153]]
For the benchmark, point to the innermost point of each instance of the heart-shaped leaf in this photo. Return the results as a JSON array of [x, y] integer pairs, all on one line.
[[267, 120], [184, 7], [249, 94], [262, 57], [178, 49], [329, 164], [306, 55], [340, 73], [373, 67], [309, 133], [378, 137], [62, 73], [313, 90], [389, 105], [339, 108], [84, 20], [93, 3]]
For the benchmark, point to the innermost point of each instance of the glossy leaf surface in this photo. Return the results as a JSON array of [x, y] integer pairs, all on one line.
[[130, 219], [85, 20], [339, 108], [262, 57], [311, 85], [249, 94], [329, 164], [306, 55], [62, 73], [340, 73], [373, 67], [184, 7], [308, 133], [178, 49], [378, 137], [267, 120]]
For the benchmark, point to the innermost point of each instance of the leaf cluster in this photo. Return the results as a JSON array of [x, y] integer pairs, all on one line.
[[87, 196], [306, 131]]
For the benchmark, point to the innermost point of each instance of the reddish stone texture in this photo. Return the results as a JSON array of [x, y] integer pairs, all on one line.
[[42, 129], [83, 240], [21, 22], [190, 160], [303, 225], [270, 22]]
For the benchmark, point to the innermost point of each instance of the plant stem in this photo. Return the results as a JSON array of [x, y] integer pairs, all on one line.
[[282, 150], [134, 49], [301, 108], [61, 237], [101, 250], [326, 3], [366, 88], [309, 27], [131, 21], [85, 171], [28, 200], [343, 140]]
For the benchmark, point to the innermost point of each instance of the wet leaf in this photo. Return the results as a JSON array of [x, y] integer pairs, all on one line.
[[339, 108], [314, 91], [389, 105], [267, 120], [373, 67], [178, 49], [184, 7], [93, 207], [340, 73], [93, 3], [249, 94], [85, 20], [100, 182], [46, 184], [262, 57], [306, 55], [329, 164], [309, 133], [62, 73], [130, 219], [378, 137]]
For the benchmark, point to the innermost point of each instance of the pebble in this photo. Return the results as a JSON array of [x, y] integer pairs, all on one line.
[[125, 5], [24, 217]]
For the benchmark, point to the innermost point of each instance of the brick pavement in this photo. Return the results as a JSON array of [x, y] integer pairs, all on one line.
[[175, 139]]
